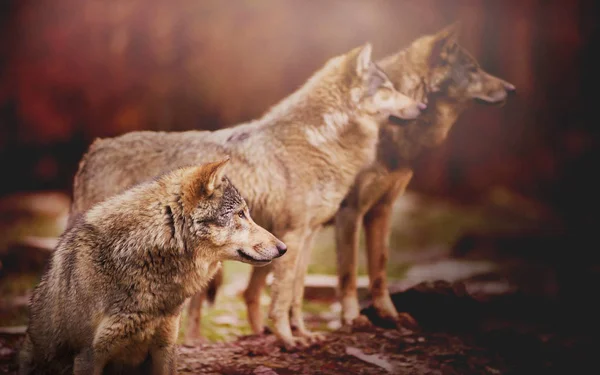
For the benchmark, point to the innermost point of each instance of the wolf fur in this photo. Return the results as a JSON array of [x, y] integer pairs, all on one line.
[[114, 289], [293, 166]]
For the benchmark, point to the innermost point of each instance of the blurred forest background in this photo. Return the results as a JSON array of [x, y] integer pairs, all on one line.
[[74, 70]]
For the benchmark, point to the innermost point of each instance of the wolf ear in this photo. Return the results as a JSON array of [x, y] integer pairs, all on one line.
[[216, 172], [362, 58], [202, 181], [443, 43]]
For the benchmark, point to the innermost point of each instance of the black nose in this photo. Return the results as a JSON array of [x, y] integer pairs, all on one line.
[[281, 248]]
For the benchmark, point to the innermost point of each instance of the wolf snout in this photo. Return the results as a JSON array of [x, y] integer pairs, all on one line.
[[281, 248], [510, 88], [413, 111]]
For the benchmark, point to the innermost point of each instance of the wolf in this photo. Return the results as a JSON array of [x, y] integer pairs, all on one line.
[[293, 165], [434, 70], [117, 281]]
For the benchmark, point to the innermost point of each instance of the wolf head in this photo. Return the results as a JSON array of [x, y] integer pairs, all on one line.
[[371, 91], [218, 221], [438, 64]]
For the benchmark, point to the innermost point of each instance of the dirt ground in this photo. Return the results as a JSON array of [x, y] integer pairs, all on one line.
[[507, 314], [508, 334]]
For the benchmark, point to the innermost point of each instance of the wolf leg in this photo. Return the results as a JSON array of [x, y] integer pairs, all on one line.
[[85, 363], [282, 290], [112, 335], [296, 317], [347, 227], [256, 284], [377, 223], [192, 330], [164, 361], [26, 357], [163, 353]]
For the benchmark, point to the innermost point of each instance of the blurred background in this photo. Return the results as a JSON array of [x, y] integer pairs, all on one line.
[[512, 182]]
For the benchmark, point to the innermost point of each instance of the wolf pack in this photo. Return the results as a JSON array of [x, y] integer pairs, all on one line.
[[155, 213]]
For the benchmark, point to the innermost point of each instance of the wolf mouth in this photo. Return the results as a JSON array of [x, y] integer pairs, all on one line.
[[247, 256], [399, 121], [499, 103]]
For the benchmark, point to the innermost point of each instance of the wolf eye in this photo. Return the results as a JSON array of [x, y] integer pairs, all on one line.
[[241, 214]]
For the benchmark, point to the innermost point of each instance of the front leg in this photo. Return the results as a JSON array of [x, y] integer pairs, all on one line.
[[282, 290], [347, 227], [252, 294], [164, 360], [194, 319], [377, 223], [86, 364], [297, 319], [112, 336], [163, 351]]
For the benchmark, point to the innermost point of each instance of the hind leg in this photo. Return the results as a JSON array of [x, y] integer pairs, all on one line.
[[26, 357], [256, 284]]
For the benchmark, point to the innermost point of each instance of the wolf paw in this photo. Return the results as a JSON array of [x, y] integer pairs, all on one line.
[[291, 344], [314, 337], [350, 310], [405, 322], [361, 323]]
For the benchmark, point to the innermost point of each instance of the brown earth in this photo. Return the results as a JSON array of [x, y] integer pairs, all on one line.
[[506, 334]]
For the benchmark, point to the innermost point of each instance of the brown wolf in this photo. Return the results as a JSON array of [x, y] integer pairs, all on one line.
[[293, 166], [436, 70], [116, 283]]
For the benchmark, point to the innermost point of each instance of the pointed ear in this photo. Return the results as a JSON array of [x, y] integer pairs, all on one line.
[[362, 58], [202, 181], [443, 43], [215, 172], [449, 33]]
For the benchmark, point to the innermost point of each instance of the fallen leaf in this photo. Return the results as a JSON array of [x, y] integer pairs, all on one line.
[[374, 359]]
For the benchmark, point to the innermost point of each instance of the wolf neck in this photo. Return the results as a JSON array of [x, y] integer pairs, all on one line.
[[321, 123], [402, 143], [307, 106]]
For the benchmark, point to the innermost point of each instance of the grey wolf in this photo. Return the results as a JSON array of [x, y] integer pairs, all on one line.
[[115, 286], [294, 165]]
